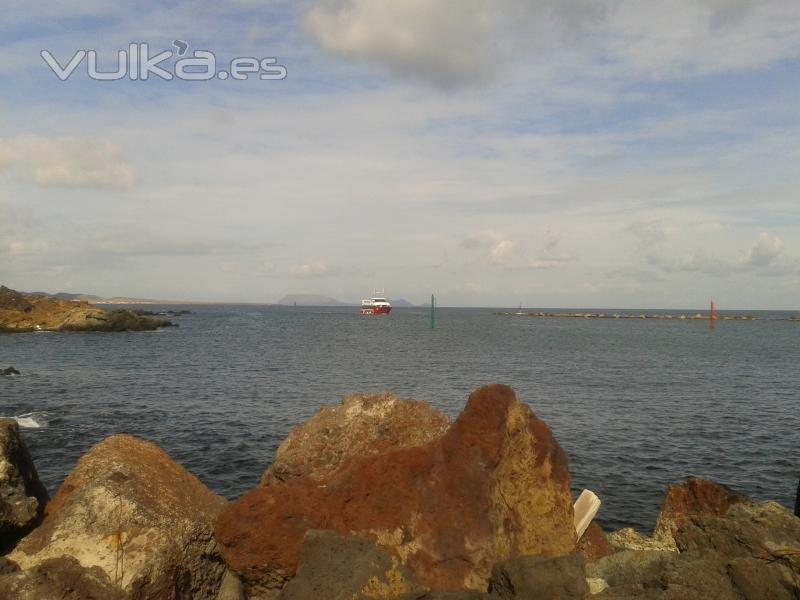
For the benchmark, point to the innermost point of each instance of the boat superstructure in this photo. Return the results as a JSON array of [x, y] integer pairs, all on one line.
[[377, 305]]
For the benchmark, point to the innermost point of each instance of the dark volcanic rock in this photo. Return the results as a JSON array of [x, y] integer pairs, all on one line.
[[593, 543], [130, 511], [750, 551], [463, 595], [694, 497], [338, 567], [359, 426], [9, 371], [494, 486], [631, 568], [533, 577], [22, 495], [757, 579], [766, 531]]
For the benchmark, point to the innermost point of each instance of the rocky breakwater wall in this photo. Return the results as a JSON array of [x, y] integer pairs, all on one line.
[[30, 312], [379, 499]]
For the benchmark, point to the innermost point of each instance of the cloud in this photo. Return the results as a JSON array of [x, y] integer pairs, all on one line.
[[66, 162], [318, 268], [461, 43], [543, 263], [496, 248], [443, 42], [761, 255], [680, 38], [139, 243], [764, 251], [550, 258], [649, 233], [699, 261]]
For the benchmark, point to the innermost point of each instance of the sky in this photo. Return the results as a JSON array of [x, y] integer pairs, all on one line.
[[549, 153]]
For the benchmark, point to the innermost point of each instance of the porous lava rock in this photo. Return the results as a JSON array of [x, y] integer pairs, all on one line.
[[524, 577], [695, 496], [337, 567], [593, 544], [130, 511], [61, 578], [359, 426], [494, 486], [22, 495], [727, 547]]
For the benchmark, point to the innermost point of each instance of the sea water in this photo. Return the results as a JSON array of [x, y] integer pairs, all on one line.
[[635, 404]]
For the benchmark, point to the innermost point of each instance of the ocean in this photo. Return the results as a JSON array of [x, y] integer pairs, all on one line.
[[636, 404]]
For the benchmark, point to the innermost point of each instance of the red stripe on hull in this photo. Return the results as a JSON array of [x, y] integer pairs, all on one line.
[[377, 310]]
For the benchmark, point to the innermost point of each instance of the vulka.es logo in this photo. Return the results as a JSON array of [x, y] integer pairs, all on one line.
[[137, 64]]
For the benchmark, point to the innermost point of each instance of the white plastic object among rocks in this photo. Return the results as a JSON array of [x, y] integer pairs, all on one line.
[[586, 507]]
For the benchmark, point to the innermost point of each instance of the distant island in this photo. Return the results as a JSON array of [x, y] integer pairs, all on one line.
[[311, 300], [319, 300], [20, 312]]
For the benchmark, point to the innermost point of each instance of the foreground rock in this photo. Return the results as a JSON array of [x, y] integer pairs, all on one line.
[[28, 312], [692, 498], [494, 486], [338, 567], [724, 546], [130, 514], [360, 426], [561, 578], [8, 371], [594, 543], [60, 578], [22, 495]]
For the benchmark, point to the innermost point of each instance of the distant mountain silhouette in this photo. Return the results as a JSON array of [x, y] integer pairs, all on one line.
[[401, 303], [311, 300]]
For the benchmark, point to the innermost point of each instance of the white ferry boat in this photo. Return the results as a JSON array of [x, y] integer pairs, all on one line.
[[377, 305]]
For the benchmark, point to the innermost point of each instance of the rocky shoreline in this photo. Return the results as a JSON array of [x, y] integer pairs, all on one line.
[[24, 313], [377, 498]]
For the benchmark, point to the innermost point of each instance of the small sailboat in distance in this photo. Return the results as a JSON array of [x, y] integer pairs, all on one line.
[[712, 316]]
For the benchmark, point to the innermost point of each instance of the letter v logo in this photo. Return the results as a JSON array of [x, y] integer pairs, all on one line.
[[63, 73]]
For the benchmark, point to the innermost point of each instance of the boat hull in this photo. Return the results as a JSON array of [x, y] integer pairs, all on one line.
[[376, 310]]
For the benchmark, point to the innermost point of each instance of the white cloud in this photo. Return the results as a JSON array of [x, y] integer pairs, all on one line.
[[312, 269], [649, 232], [676, 38], [496, 248], [764, 251], [761, 255], [444, 42], [66, 162], [141, 243], [452, 43]]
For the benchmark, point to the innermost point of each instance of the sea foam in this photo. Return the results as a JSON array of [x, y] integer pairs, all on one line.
[[33, 420]]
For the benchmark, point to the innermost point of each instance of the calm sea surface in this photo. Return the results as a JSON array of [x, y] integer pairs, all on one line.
[[636, 404]]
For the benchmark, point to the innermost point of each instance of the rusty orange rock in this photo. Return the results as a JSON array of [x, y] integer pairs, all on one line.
[[494, 486], [695, 496]]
